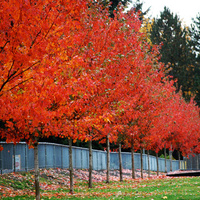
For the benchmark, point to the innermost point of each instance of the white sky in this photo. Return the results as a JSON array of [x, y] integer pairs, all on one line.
[[185, 9]]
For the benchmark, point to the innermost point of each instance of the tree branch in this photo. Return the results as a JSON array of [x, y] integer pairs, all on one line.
[[4, 45], [14, 75], [18, 85]]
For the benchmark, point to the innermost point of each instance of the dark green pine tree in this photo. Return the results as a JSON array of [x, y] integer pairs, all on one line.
[[195, 43], [195, 35], [176, 52], [138, 6], [114, 4]]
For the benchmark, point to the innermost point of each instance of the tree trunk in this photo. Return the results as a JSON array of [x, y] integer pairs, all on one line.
[[149, 174], [179, 159], [90, 164], [133, 162], [108, 159], [37, 184], [170, 156], [165, 160], [141, 159], [71, 167], [197, 161], [120, 163], [157, 164]]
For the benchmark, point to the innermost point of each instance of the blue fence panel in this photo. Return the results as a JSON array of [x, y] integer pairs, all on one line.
[[126, 160], [124, 164], [49, 156], [20, 155], [58, 156], [85, 159], [193, 162], [137, 162], [161, 162], [30, 158], [65, 156], [104, 160], [41, 156], [145, 161], [153, 163], [78, 159], [175, 165], [74, 157], [114, 160], [100, 159], [7, 158], [55, 155], [94, 160], [168, 165]]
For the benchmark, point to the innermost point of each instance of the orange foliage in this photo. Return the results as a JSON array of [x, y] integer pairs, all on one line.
[[68, 69]]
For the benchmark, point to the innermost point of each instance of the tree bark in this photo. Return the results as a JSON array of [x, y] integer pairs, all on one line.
[[149, 174], [197, 161], [165, 160], [157, 164], [108, 159], [37, 184], [120, 163], [141, 159], [133, 162], [90, 164], [71, 167]]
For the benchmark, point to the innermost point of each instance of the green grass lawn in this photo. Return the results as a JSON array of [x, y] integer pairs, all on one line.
[[21, 186]]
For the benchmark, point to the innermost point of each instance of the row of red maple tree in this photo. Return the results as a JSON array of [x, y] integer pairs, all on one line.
[[69, 70]]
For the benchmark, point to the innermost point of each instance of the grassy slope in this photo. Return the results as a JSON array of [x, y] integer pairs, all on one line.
[[55, 184]]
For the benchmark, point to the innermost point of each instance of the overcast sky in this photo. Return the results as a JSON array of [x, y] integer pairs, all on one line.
[[185, 9]]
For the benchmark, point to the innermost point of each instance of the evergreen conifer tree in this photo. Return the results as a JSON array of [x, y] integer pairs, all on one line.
[[138, 6], [176, 52], [114, 4], [195, 43]]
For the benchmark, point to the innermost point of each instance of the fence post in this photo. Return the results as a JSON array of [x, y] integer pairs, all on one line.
[[170, 155], [88, 159], [165, 160], [97, 160], [197, 156], [81, 158], [61, 157], [141, 162], [45, 154], [148, 164], [14, 158], [1, 162], [75, 158], [54, 157], [101, 161], [26, 160]]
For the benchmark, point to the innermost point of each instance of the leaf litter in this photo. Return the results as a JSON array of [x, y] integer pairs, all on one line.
[[57, 180]]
